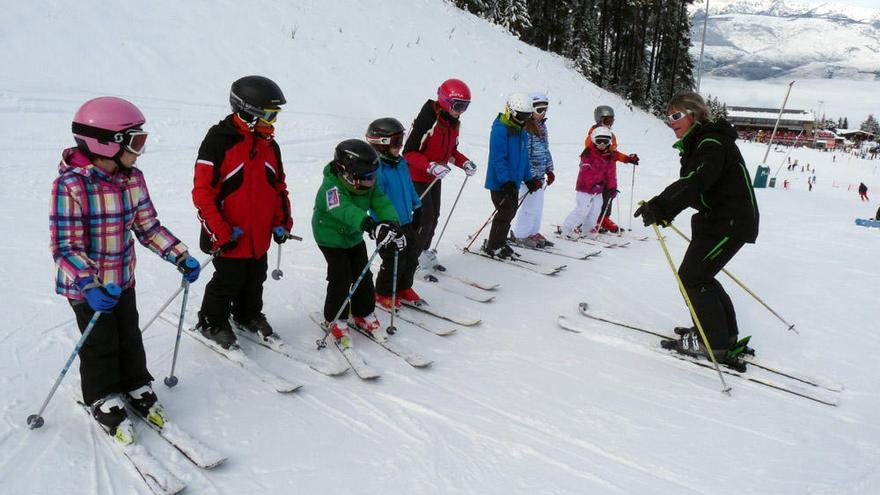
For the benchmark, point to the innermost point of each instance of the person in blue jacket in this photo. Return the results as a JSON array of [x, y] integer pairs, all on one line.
[[386, 137], [508, 168]]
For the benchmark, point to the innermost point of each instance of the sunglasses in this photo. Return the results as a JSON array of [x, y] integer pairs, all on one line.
[[394, 141], [132, 140], [675, 117], [458, 105], [602, 141]]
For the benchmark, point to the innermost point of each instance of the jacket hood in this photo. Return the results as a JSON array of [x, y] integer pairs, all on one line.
[[75, 161]]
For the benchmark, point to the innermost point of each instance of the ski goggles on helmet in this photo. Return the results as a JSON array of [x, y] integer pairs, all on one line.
[[458, 105], [520, 116], [266, 115], [540, 108], [361, 181], [133, 140], [602, 141], [675, 117], [395, 141]]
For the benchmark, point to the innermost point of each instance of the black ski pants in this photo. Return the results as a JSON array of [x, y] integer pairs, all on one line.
[[705, 257], [506, 203], [343, 267], [236, 288], [430, 214], [112, 358], [407, 263]]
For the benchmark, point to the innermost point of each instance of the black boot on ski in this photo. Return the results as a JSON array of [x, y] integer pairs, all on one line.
[[144, 402], [110, 413], [259, 326], [691, 344], [505, 252], [221, 332]]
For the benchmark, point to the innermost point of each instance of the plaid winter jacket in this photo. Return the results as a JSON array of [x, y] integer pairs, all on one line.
[[539, 151], [91, 221]]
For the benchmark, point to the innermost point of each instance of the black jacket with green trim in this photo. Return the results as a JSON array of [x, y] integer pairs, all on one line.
[[715, 182]]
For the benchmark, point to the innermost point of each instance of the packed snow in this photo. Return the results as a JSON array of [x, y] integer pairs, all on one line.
[[513, 405]]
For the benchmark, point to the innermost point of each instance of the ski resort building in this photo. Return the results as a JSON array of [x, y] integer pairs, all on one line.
[[756, 124]]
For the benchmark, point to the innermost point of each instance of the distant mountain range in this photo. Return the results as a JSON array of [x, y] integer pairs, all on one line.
[[762, 39]]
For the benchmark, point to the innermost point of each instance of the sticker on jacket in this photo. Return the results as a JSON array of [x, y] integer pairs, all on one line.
[[332, 198]]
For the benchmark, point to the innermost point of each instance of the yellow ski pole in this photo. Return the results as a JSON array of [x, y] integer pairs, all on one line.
[[789, 325], [687, 299]]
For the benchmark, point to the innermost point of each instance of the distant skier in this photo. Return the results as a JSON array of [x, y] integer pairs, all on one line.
[[431, 146], [596, 175], [604, 116], [863, 191], [508, 168], [712, 171], [341, 215], [386, 137], [98, 199], [527, 230], [240, 195]]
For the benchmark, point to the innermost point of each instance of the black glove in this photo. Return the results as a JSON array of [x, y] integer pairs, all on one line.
[[633, 158], [280, 234], [650, 214], [386, 232], [609, 194], [417, 218], [534, 184], [509, 187]]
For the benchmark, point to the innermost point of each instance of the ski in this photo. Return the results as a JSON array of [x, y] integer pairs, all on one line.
[[587, 240], [520, 262], [160, 480], [435, 282], [322, 366], [565, 324], [584, 310], [418, 322], [393, 347], [426, 308], [194, 450], [466, 281], [614, 239], [354, 359], [558, 252]]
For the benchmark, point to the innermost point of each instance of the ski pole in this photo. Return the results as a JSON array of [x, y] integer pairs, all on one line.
[[429, 188], [491, 216], [322, 343], [176, 292], [448, 217], [171, 380], [619, 229], [36, 420], [687, 299], [277, 273], [391, 328], [748, 291], [632, 194]]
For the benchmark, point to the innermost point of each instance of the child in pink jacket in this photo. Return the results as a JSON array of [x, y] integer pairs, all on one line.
[[596, 176]]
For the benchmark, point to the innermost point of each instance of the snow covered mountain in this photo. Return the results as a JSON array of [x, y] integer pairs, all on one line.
[[514, 405], [760, 39]]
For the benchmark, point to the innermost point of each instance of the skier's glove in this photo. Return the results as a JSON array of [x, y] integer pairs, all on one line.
[[229, 244], [650, 214], [534, 184], [633, 158], [469, 167], [189, 267], [551, 177], [98, 296], [438, 170], [280, 234]]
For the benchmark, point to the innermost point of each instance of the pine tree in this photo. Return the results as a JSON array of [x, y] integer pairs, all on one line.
[[513, 15], [871, 125]]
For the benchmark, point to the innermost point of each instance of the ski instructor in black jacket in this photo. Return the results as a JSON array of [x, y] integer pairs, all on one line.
[[715, 182]]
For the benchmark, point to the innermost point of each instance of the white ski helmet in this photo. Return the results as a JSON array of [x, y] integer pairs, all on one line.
[[519, 106], [602, 136]]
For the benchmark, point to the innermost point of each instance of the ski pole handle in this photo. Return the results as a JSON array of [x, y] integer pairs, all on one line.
[[176, 292], [36, 420]]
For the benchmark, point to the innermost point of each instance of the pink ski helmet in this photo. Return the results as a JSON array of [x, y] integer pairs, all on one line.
[[454, 94], [106, 125]]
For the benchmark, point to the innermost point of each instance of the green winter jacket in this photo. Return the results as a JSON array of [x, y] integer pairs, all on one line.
[[340, 211]]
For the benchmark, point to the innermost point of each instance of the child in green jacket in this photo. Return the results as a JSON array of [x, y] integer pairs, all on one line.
[[341, 216]]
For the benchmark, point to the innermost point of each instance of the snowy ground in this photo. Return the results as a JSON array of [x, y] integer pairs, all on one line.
[[514, 405]]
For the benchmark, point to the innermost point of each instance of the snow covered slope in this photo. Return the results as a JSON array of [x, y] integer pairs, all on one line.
[[758, 39], [514, 405]]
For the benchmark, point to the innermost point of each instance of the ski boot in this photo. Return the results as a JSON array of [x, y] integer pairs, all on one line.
[[386, 301], [410, 296], [371, 326], [428, 261], [339, 330], [543, 239], [258, 325], [144, 402], [528, 242], [221, 334], [609, 226], [505, 252], [110, 413]]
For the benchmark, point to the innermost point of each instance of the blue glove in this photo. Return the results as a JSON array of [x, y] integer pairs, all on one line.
[[189, 267], [100, 298], [280, 234]]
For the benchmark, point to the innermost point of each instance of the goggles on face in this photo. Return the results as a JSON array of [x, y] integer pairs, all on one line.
[[133, 140], [675, 117], [394, 141], [602, 141], [540, 109], [267, 115], [458, 105], [520, 116]]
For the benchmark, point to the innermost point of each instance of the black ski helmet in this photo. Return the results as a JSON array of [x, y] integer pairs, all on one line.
[[384, 134], [254, 95], [355, 159], [602, 111]]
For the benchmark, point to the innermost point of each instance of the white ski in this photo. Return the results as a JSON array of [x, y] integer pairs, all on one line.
[[426, 307], [414, 359], [194, 450], [418, 322], [360, 367], [277, 345]]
